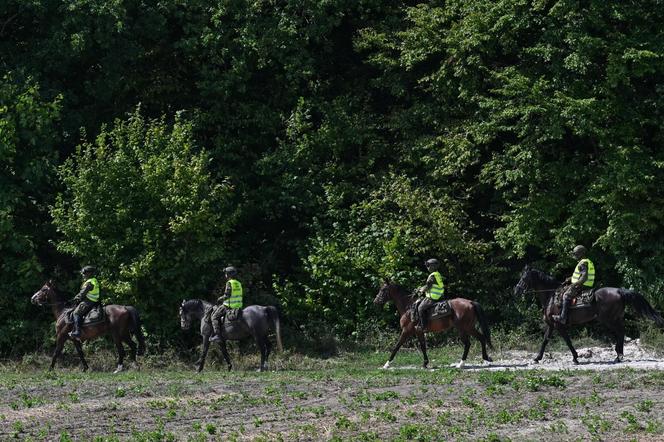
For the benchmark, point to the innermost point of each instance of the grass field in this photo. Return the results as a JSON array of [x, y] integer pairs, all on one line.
[[341, 398]]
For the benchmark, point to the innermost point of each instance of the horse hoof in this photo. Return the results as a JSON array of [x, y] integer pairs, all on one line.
[[387, 365], [461, 364], [536, 361], [85, 368], [576, 362], [230, 367], [618, 359], [425, 365], [119, 369]]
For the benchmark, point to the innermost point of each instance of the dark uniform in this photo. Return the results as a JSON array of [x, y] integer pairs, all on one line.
[[582, 279], [434, 290], [231, 299], [87, 299]]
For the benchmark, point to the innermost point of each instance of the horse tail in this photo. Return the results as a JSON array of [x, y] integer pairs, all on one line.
[[273, 314], [641, 306], [136, 329], [484, 325]]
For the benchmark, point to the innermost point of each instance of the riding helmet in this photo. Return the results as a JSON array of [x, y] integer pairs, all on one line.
[[432, 263], [579, 251], [88, 270], [230, 271]]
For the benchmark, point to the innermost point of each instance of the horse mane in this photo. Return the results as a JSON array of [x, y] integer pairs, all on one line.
[[544, 277], [195, 303]]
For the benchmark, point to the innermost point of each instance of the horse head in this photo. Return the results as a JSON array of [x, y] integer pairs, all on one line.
[[524, 282], [44, 295], [185, 316], [383, 293]]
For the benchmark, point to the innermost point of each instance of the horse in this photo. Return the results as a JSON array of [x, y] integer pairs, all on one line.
[[121, 322], [608, 308], [465, 314], [255, 321]]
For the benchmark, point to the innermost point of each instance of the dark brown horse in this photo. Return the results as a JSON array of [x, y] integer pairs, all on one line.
[[608, 308], [465, 314], [121, 322]]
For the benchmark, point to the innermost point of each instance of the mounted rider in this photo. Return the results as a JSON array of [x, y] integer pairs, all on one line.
[[87, 299], [583, 278], [433, 290], [231, 299]]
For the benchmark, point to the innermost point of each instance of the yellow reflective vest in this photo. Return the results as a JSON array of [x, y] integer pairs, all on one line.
[[591, 273], [92, 295], [235, 301], [438, 289]]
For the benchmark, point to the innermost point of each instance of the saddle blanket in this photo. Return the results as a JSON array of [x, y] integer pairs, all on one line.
[[231, 315], [585, 299], [96, 315], [439, 310]]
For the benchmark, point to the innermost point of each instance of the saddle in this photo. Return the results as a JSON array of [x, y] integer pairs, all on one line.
[[440, 310], [94, 316], [585, 299], [232, 315]]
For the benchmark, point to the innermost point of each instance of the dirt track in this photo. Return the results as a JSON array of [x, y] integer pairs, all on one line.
[[349, 399]]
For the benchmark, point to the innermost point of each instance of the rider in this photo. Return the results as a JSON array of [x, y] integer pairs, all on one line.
[[583, 278], [231, 299], [434, 290], [87, 299]]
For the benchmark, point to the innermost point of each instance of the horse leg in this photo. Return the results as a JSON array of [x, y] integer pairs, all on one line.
[[204, 352], [121, 353], [132, 349], [260, 341], [59, 344], [402, 339], [568, 341], [480, 337], [619, 332], [224, 352], [423, 347], [268, 350], [79, 350], [466, 346], [547, 336]]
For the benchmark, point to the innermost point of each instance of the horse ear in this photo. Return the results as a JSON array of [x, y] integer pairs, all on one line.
[[183, 301]]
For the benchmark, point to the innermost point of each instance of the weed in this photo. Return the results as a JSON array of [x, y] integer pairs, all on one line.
[[644, 406], [632, 423], [210, 428], [386, 395]]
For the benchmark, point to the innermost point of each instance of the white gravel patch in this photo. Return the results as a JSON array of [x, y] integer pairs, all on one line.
[[590, 358]]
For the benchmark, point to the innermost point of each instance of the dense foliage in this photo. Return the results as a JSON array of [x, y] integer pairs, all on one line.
[[322, 146]]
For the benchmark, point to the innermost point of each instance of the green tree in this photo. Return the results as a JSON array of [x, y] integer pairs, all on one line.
[[140, 205], [28, 140]]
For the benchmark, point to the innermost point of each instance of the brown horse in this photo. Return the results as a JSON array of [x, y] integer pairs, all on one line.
[[121, 322], [465, 314], [608, 308]]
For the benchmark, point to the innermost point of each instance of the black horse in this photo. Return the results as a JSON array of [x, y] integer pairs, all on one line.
[[608, 308], [255, 321]]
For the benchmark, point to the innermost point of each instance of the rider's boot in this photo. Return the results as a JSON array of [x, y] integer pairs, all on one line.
[[216, 325], [76, 333], [562, 317]]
